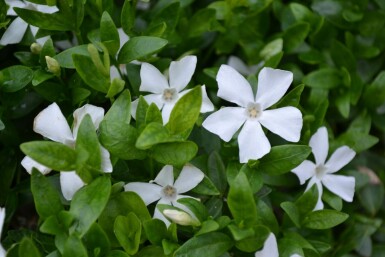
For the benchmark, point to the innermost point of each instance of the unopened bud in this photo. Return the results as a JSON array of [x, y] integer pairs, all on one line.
[[181, 217], [35, 48], [52, 65]]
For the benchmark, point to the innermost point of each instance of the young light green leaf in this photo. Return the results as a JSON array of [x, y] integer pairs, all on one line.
[[27, 246], [109, 34], [65, 58], [292, 211], [128, 230], [74, 247], [324, 219], [153, 134], [128, 16], [326, 78], [96, 240], [155, 230], [175, 153], [55, 21]]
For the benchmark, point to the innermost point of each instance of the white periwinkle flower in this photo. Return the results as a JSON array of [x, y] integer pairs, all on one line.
[[166, 92], [252, 111], [165, 190], [52, 124], [321, 172], [243, 68], [16, 30], [270, 248], [2, 218]]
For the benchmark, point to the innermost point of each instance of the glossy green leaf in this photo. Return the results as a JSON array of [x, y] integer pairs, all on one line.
[[109, 34], [325, 78], [74, 247], [176, 153], [155, 230], [96, 240], [295, 35], [128, 230], [153, 134], [128, 16], [14, 78], [27, 246], [65, 58], [324, 219], [55, 21], [217, 171]]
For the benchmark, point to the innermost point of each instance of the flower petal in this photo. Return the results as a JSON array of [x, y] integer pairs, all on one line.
[[51, 124], [70, 183], [189, 177], [207, 105], [46, 8], [285, 122], [253, 143], [159, 215], [304, 171], [239, 65], [147, 191], [315, 180], [114, 72], [123, 37], [2, 218], [319, 144], [272, 85], [166, 112], [14, 3], [270, 247], [96, 113], [134, 107], [106, 161], [225, 122], [154, 98], [233, 87], [15, 32], [184, 207], [339, 159], [29, 163], [165, 176], [343, 186], [181, 71], [152, 80], [41, 41]]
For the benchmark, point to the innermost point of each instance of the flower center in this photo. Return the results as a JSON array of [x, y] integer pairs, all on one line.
[[169, 192], [320, 171], [253, 110], [169, 94]]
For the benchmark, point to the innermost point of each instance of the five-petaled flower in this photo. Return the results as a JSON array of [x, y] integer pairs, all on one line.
[[166, 92], [321, 172], [2, 218], [252, 111], [16, 30], [166, 190], [270, 248], [51, 124]]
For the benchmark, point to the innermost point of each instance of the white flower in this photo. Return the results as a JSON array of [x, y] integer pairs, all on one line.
[[242, 68], [51, 124], [167, 92], [321, 172], [181, 217], [2, 218], [272, 85], [166, 190], [270, 248], [16, 30]]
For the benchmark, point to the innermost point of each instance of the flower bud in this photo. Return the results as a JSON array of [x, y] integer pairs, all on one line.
[[52, 65], [180, 217], [35, 48]]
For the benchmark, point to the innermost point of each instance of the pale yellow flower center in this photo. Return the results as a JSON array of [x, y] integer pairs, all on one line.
[[169, 192], [169, 94], [253, 110], [320, 171]]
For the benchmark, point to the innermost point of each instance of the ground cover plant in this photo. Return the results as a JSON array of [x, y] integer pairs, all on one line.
[[192, 128]]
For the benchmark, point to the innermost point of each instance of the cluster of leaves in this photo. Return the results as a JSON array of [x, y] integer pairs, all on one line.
[[335, 49]]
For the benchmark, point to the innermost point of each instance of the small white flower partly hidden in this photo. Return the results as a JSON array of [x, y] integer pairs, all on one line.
[[321, 172], [270, 248], [52, 124], [181, 217], [16, 30], [242, 67], [165, 190], [2, 218], [252, 111], [166, 92]]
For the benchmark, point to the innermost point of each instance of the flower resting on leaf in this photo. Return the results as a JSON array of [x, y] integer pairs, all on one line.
[[270, 248], [2, 218], [321, 172], [252, 111], [165, 190], [16, 30], [166, 92], [51, 124]]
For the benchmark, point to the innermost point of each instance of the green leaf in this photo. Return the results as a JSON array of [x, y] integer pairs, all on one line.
[[65, 58], [326, 78], [343, 104], [166, 18], [202, 21], [282, 159], [14, 78], [292, 211], [74, 247], [342, 56], [155, 230], [153, 114], [356, 140], [307, 202], [89, 202], [153, 134], [46, 197], [51, 154], [96, 240], [195, 207], [245, 211], [55, 21], [48, 49], [255, 241], [292, 98], [128, 230], [207, 226], [127, 19], [217, 171], [266, 216], [40, 76], [206, 187], [375, 92], [324, 219], [141, 113], [212, 244], [295, 35], [150, 251], [176, 153], [109, 34], [372, 197], [27, 246], [140, 47]]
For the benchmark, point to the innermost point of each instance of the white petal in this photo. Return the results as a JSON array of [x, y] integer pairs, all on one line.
[[339, 159], [304, 171], [285, 122], [184, 207], [46, 8], [152, 80], [134, 107], [41, 41], [239, 65], [28, 163], [319, 144], [14, 33], [106, 161], [123, 38], [159, 215], [166, 112], [343, 186], [70, 183], [315, 180], [189, 177], [96, 113], [181, 71], [207, 105], [2, 251], [51, 124], [114, 73], [253, 143], [33, 30], [156, 99], [14, 3], [233, 87], [165, 176], [270, 248], [147, 191], [2, 218], [272, 85], [225, 122], [295, 255]]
